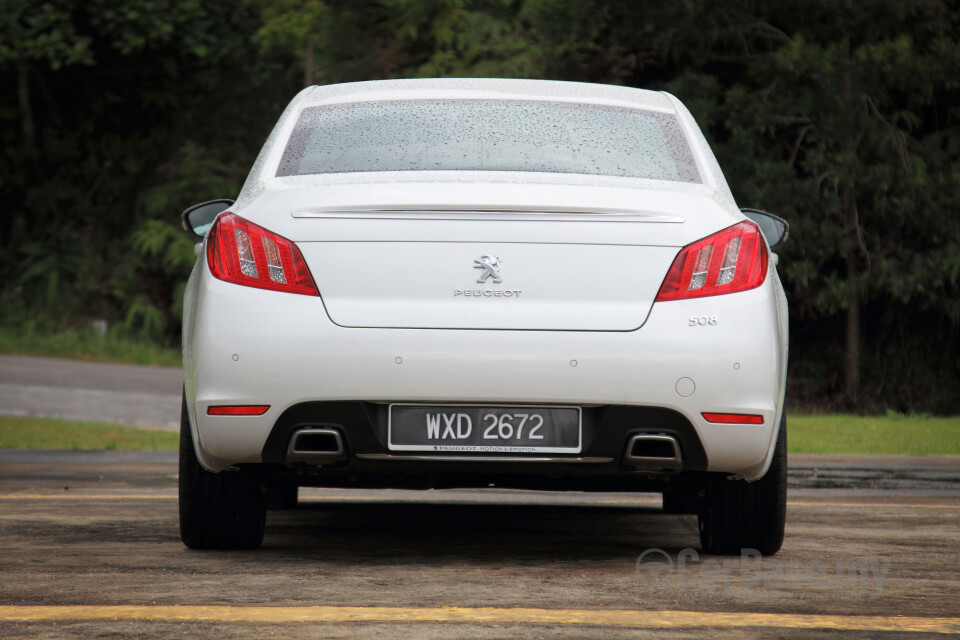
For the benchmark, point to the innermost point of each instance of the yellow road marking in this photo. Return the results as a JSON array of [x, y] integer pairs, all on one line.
[[66, 495], [614, 617], [872, 505]]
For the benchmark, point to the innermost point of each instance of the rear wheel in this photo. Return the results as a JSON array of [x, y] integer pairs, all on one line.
[[736, 515], [223, 510]]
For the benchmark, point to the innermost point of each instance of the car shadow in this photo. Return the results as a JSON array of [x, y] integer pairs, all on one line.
[[416, 533]]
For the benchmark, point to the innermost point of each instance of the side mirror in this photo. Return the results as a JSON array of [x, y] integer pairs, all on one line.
[[198, 218], [774, 228]]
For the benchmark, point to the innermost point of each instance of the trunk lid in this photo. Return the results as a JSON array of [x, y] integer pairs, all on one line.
[[582, 259], [487, 285]]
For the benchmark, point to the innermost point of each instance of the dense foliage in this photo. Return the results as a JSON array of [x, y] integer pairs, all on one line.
[[841, 116]]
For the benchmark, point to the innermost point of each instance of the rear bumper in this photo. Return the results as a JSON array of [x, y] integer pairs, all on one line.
[[360, 444], [364, 460], [247, 346]]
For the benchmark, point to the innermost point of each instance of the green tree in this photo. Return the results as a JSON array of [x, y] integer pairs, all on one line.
[[841, 116], [34, 34], [111, 98], [852, 99]]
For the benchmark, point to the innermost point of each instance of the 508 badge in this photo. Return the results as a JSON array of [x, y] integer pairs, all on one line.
[[703, 321]]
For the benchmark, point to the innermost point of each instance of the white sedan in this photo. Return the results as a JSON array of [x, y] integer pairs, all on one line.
[[465, 283]]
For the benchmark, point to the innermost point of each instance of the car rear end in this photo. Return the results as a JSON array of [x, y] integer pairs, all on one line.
[[470, 327]]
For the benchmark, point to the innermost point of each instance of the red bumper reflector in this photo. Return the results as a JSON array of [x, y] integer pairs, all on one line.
[[238, 410], [732, 418]]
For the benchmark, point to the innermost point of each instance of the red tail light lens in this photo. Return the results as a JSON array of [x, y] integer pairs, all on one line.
[[241, 252], [238, 410], [732, 418], [732, 260]]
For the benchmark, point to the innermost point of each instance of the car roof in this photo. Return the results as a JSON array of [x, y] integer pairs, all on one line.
[[487, 88]]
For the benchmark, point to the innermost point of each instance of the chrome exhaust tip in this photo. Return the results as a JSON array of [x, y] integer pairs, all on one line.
[[315, 446], [653, 452]]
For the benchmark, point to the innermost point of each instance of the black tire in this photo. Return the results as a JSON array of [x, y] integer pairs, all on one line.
[[736, 515], [223, 510]]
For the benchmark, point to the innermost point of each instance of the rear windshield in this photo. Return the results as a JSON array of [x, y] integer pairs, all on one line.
[[489, 135]]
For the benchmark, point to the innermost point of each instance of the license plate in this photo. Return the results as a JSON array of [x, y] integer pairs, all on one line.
[[488, 429]]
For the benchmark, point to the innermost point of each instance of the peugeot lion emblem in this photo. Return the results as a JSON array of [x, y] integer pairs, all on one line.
[[491, 268]]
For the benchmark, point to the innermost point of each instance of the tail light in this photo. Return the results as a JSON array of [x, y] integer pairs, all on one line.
[[237, 410], [729, 261], [241, 252], [732, 418]]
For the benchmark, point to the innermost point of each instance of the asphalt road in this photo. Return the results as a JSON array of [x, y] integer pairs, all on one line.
[[91, 549], [90, 391]]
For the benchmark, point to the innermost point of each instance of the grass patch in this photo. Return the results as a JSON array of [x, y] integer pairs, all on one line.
[[86, 344], [834, 433], [47, 433], [892, 434]]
